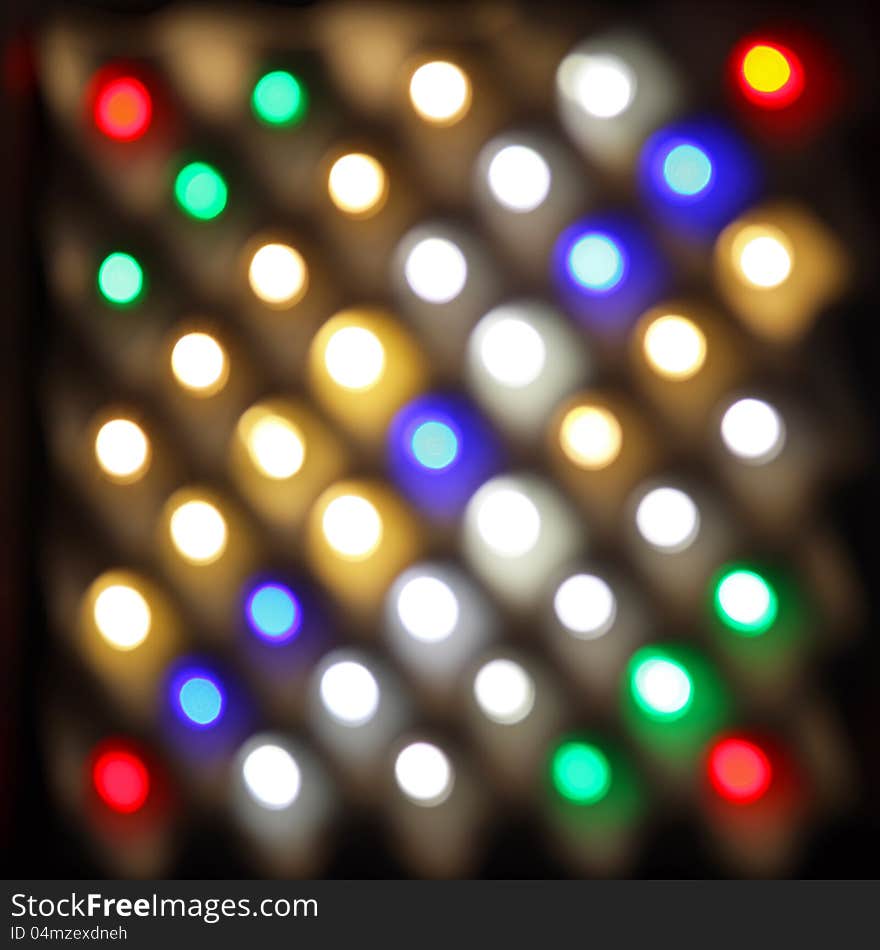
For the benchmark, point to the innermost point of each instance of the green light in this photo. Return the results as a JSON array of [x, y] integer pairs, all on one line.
[[120, 278], [661, 686], [745, 602], [581, 772], [200, 191], [279, 98]]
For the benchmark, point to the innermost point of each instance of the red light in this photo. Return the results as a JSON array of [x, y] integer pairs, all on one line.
[[123, 109], [122, 780], [770, 74], [739, 771]]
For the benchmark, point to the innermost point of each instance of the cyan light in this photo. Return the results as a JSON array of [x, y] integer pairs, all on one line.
[[273, 612], [687, 169], [434, 444], [200, 700], [596, 262]]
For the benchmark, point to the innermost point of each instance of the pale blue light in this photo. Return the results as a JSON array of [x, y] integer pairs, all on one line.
[[200, 700], [596, 262], [687, 170], [434, 445]]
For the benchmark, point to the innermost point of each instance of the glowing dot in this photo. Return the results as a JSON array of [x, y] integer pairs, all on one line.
[[508, 522], [120, 278], [668, 519], [504, 691], [687, 170], [675, 347], [440, 92], [122, 616], [199, 364], [513, 352], [739, 771], [122, 450], [198, 532], [519, 178], [766, 69], [424, 774], [596, 262], [350, 693], [428, 609], [122, 780], [200, 700], [279, 99], [357, 184], [662, 687], [200, 191], [355, 358], [604, 86], [763, 258], [273, 613], [276, 447], [581, 772], [436, 270], [590, 436], [271, 776], [123, 109], [753, 431], [278, 274], [352, 527], [434, 445], [746, 602], [586, 606]]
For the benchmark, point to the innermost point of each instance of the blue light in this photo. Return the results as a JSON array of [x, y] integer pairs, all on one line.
[[687, 169], [273, 613], [199, 699], [596, 262], [434, 444]]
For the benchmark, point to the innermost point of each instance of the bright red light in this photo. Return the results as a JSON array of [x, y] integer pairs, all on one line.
[[739, 770], [769, 74], [123, 108], [122, 780]]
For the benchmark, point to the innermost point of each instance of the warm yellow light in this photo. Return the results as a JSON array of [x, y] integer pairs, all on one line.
[[357, 184], [675, 347], [122, 616], [440, 92], [276, 447], [766, 69], [591, 436], [352, 526], [278, 275], [354, 358], [122, 450], [198, 532], [762, 256], [199, 364]]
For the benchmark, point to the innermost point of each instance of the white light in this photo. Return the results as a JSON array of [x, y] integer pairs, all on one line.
[[745, 598], [664, 686], [350, 693], [675, 347], [519, 178], [277, 274], [604, 86], [424, 774], [508, 522], [440, 92], [668, 519], [198, 531], [357, 184], [352, 526], [199, 364], [122, 450], [276, 447], [272, 776], [753, 431], [505, 691], [764, 260], [436, 270], [586, 606], [122, 616], [428, 609], [512, 351], [355, 358]]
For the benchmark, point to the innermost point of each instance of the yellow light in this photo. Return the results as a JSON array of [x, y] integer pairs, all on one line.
[[675, 347], [200, 364], [276, 447], [590, 436], [355, 358], [766, 69], [352, 526], [358, 185], [198, 532], [122, 616], [440, 92], [122, 450], [762, 256], [278, 275]]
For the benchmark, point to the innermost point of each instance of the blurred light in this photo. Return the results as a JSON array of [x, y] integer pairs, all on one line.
[[661, 686], [512, 351], [434, 444], [278, 274], [123, 109], [604, 86], [424, 774], [745, 602], [762, 256], [352, 527], [675, 347], [273, 613], [753, 431], [436, 270], [585, 605], [508, 521], [355, 358], [122, 450], [276, 447], [357, 184], [668, 519], [428, 609], [519, 178], [687, 169], [350, 693], [200, 364], [504, 691], [771, 76], [200, 191], [122, 616], [440, 92], [279, 98], [120, 278], [580, 772], [739, 771], [590, 436], [198, 697], [198, 532], [122, 780], [271, 776], [596, 262]]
